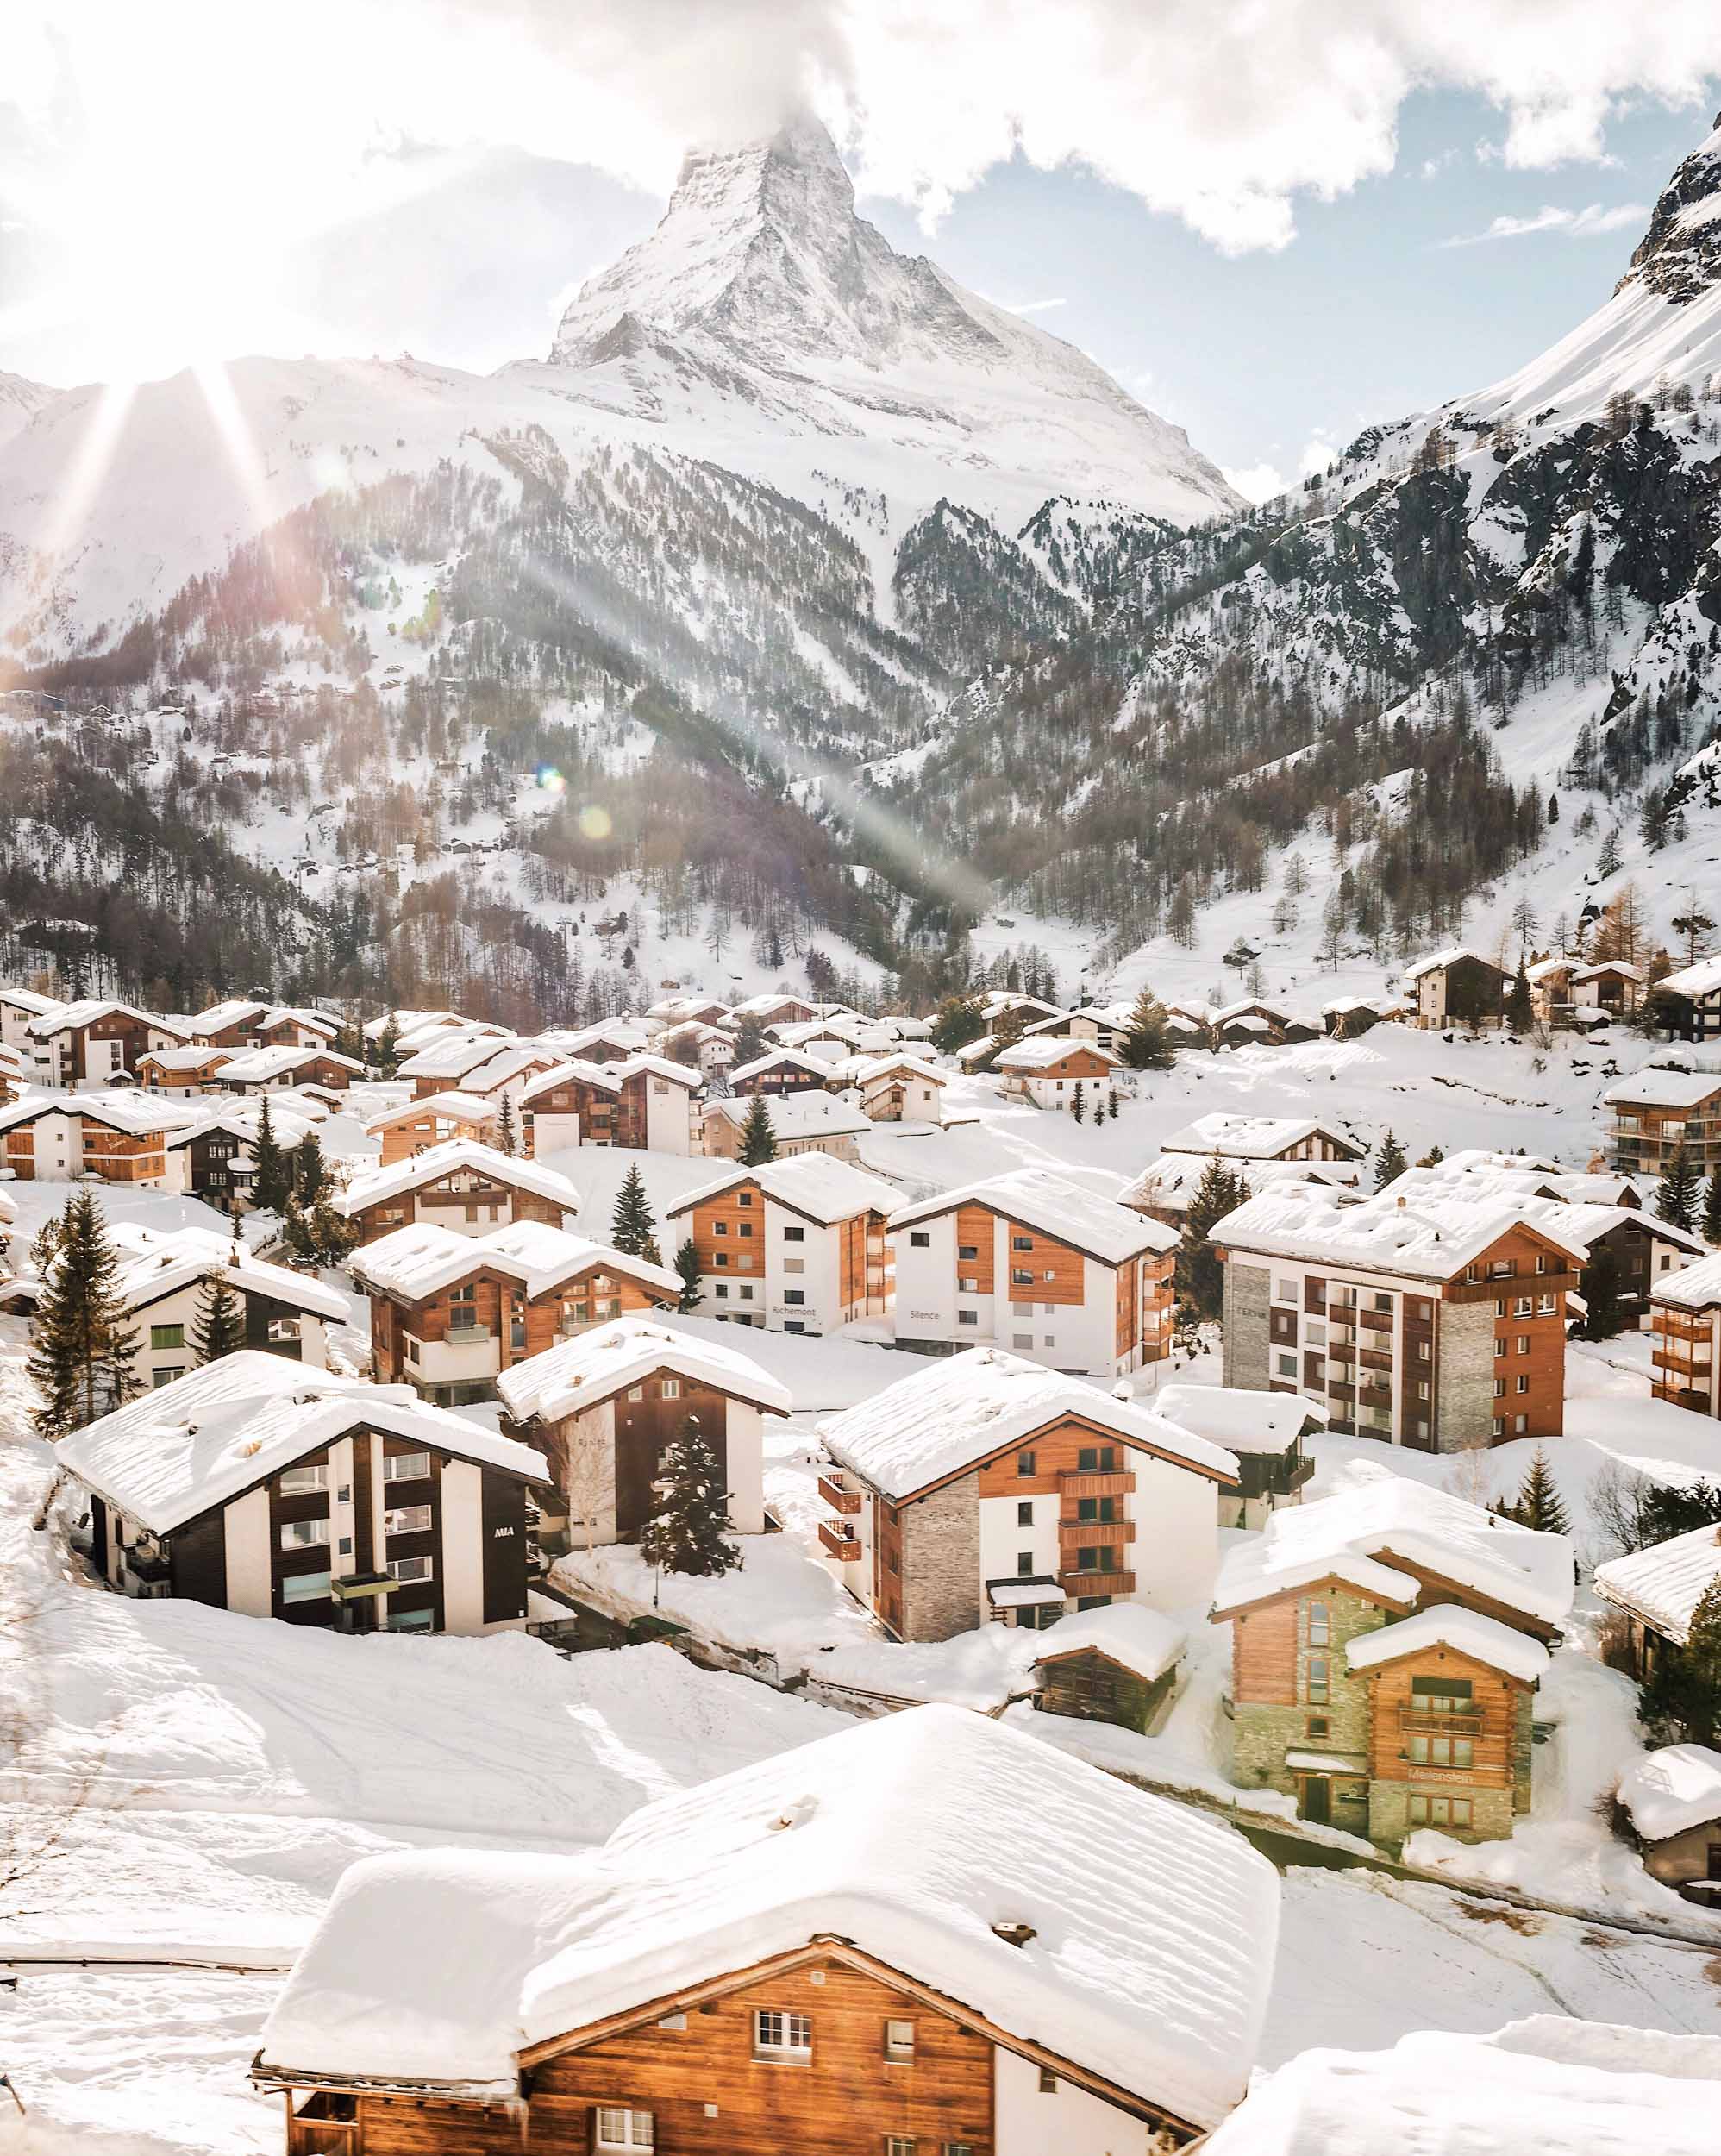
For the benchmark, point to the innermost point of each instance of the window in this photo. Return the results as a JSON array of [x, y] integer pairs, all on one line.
[[1439, 1811], [1500, 1345], [1319, 1726], [625, 2129], [1320, 1624], [411, 1620], [1025, 1513], [900, 2145], [967, 1317], [1497, 1428], [165, 1376], [745, 1198], [408, 1571], [919, 1241], [799, 1235], [778, 2035], [406, 1467], [1287, 1366], [1317, 1687], [1020, 1277], [1097, 1459], [1443, 1752], [1021, 1242], [720, 1227], [969, 1252], [1024, 1564], [669, 1389], [1022, 1340], [746, 1227], [166, 1336], [1284, 1290], [1442, 1694], [1522, 1381], [1522, 1343], [1520, 1425], [899, 2039], [1521, 1305], [1499, 1388], [794, 1295], [959, 2148], [1024, 1463], [407, 1519], [1544, 1308], [304, 1534], [305, 1587]]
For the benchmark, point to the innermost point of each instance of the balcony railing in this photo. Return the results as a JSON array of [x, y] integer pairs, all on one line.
[[1091, 1483], [838, 1498], [1079, 1583], [327, 2125], [840, 1542], [1094, 1534], [1467, 1723]]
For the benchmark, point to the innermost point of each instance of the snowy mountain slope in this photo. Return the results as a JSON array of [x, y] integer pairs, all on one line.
[[21, 400]]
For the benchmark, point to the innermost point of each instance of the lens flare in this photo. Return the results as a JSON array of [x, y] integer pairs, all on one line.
[[550, 781], [595, 822]]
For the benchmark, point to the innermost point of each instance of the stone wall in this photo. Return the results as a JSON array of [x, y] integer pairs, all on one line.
[[943, 1591], [1389, 1804], [1464, 1403], [1247, 1297], [1262, 1735]]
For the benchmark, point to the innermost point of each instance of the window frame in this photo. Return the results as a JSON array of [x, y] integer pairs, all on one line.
[[783, 2048]]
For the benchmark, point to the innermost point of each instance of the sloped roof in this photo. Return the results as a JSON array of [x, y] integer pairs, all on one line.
[[1237, 1417], [823, 1190], [594, 1366], [154, 1261], [1437, 960], [1670, 1792], [455, 1153], [1697, 1288], [1701, 979], [1099, 1227], [809, 1113], [1152, 1927], [1030, 1055], [1664, 1583], [209, 1436], [1467, 1631], [59, 1016], [1254, 1136], [958, 1410], [457, 1107], [257, 1065], [1659, 1089], [1434, 1237], [1129, 1634], [423, 1259]]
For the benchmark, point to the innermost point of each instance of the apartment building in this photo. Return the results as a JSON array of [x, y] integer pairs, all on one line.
[[1050, 1071], [1032, 1262], [809, 1122], [1659, 1110], [181, 1073], [237, 1024], [256, 1070], [642, 1101], [162, 1283], [1684, 1324], [793, 1246], [897, 1088], [89, 1045], [470, 1188], [1436, 1322], [122, 1138], [449, 1313], [415, 1125], [1689, 1001], [275, 1490], [20, 1008], [987, 1487], [1456, 988], [1385, 1645]]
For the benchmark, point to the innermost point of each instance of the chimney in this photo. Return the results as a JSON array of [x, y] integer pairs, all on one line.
[[1013, 1934]]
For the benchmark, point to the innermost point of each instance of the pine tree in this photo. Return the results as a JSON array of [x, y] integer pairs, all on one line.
[[1200, 1273], [271, 1174], [45, 1247], [631, 1225], [81, 1342], [310, 1173], [1078, 1104], [1711, 1206], [959, 1020], [1686, 1687], [758, 1137], [1147, 1044], [219, 1328], [387, 1050], [1679, 1192], [687, 1264], [1111, 1102], [1389, 1161], [750, 1043], [1602, 1282], [1520, 1010], [1098, 1110], [686, 1533], [507, 1127], [1538, 1498], [1432, 1158]]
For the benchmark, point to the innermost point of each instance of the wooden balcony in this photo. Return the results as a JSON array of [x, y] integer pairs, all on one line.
[[1376, 1320], [1117, 1584], [1075, 1482], [1093, 1534], [1375, 1359], [1419, 1721], [838, 1498], [840, 1542], [328, 2125]]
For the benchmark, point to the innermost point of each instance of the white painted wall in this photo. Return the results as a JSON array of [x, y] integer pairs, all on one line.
[[669, 1117], [249, 1561], [1002, 1540], [462, 1506], [1175, 1555], [819, 1279], [745, 1455], [1067, 2120]]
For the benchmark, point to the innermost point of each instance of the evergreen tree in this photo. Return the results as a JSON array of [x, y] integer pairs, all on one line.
[[1098, 1110], [1679, 1192], [1520, 1010], [310, 1172], [1602, 1285], [1200, 1273], [1432, 1158], [631, 1225], [687, 1264], [1078, 1104], [507, 1127], [1111, 1102], [1538, 1499], [388, 1049], [81, 1340], [219, 1328], [1686, 1687], [750, 1043], [1711, 1206], [758, 1138], [1147, 1044], [45, 1247], [959, 1020], [1389, 1161], [271, 1174], [685, 1533]]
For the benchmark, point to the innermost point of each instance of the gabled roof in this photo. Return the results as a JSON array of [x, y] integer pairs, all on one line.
[[410, 1021], [659, 1066], [604, 1077], [208, 1436], [455, 1105], [28, 1001], [1467, 1632], [1622, 967], [1661, 1089], [257, 1066], [154, 1263], [781, 1059], [1702, 979], [454, 1154], [1670, 1792], [1172, 1181], [1241, 1420], [1438, 960], [794, 1116], [1150, 1953], [592, 1367], [1254, 1137], [1356, 1534], [946, 1419], [813, 1185], [424, 1258], [236, 1010], [134, 1114], [861, 1070], [453, 1058], [1041, 1054], [179, 1059], [1130, 1634], [1098, 1227], [1434, 1237], [61, 1016], [1697, 1288], [1664, 1583]]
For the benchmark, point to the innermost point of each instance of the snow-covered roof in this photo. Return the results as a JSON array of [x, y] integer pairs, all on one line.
[[1378, 1517], [1620, 969], [1249, 1006], [217, 1431], [659, 1066], [1237, 1417], [1659, 1089], [1663, 1584], [134, 1114], [1697, 1288], [781, 1059], [179, 1059], [1037, 1198], [1550, 2085], [410, 1022], [1702, 979], [60, 1016], [809, 1113], [235, 1011], [1467, 1632], [451, 1058], [28, 1001], [1670, 1792], [1042, 1053], [1437, 960], [863, 1069], [1254, 1136], [455, 1106], [448, 1158], [423, 1259], [1129, 1634], [1433, 1238], [593, 1366], [1172, 1181], [943, 1419], [1549, 970], [259, 1066], [511, 1060], [1149, 1964], [157, 1262], [813, 1184], [603, 1077]]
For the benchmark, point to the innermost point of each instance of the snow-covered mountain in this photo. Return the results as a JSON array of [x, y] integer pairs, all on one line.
[[20, 400]]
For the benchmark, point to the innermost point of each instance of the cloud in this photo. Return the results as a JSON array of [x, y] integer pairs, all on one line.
[[1575, 224], [1257, 482]]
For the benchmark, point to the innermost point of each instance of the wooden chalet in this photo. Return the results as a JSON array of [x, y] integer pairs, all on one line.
[[1115, 1664], [1670, 1802], [1456, 988], [781, 1070], [849, 1947], [258, 1070], [1685, 1321], [1265, 1429], [470, 1188], [796, 1245], [1688, 1003], [120, 1137], [181, 1073], [94, 1043], [162, 1283], [419, 1124], [641, 1102]]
